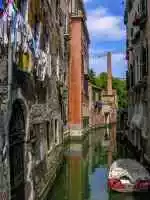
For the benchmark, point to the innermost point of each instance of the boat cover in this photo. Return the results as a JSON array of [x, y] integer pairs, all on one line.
[[130, 168]]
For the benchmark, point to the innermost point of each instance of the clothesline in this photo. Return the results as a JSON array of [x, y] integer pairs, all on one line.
[[23, 41]]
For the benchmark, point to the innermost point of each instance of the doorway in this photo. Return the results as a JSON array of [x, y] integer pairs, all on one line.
[[16, 151]]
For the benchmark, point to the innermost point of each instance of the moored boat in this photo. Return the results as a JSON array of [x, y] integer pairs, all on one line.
[[127, 175]]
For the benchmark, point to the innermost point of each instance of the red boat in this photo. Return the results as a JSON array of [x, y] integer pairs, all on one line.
[[127, 175]]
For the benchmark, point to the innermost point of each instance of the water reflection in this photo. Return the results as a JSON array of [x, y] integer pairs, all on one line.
[[84, 175]]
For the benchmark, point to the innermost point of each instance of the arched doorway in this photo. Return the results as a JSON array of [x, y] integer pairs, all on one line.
[[16, 151]]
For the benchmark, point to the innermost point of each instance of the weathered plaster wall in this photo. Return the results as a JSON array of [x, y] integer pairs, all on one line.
[[4, 169], [41, 102]]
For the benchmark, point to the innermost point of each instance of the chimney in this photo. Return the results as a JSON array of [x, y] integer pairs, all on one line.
[[109, 72]]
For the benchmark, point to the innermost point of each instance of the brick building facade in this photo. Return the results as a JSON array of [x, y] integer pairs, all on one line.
[[78, 68]]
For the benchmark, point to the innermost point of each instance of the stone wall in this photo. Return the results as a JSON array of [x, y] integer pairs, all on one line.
[[43, 108], [4, 169]]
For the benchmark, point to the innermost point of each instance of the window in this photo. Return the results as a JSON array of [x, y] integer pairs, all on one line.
[[85, 122], [66, 24], [99, 96], [130, 3], [48, 135], [35, 133], [144, 59], [138, 8], [99, 109], [41, 92], [144, 7], [74, 7], [58, 65], [56, 131], [131, 32], [57, 8], [49, 60], [85, 85]]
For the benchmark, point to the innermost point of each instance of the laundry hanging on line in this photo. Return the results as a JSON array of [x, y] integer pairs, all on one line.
[[22, 40]]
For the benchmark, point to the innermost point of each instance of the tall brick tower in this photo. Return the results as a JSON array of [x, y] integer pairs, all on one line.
[[109, 71]]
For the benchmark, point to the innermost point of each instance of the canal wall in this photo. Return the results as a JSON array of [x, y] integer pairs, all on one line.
[[46, 181]]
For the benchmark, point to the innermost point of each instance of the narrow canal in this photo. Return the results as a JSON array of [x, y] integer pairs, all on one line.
[[84, 174]]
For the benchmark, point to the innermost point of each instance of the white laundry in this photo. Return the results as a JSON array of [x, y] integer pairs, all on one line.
[[19, 28], [25, 46], [42, 65], [3, 30], [10, 10], [30, 39], [38, 36]]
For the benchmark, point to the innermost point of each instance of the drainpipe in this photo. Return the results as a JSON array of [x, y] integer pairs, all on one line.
[[109, 72], [9, 104], [9, 71]]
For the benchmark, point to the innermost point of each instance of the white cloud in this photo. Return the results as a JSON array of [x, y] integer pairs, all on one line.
[[105, 26]]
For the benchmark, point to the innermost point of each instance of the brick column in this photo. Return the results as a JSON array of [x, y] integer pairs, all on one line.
[[109, 71]]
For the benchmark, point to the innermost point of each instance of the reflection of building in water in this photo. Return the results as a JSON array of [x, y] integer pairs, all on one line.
[[83, 160], [97, 154], [77, 171]]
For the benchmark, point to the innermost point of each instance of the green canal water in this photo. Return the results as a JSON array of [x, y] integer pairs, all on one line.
[[84, 174]]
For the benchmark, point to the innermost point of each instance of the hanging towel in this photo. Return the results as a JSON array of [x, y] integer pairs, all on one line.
[[25, 62]]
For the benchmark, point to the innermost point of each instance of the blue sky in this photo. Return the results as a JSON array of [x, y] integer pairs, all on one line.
[[107, 33]]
